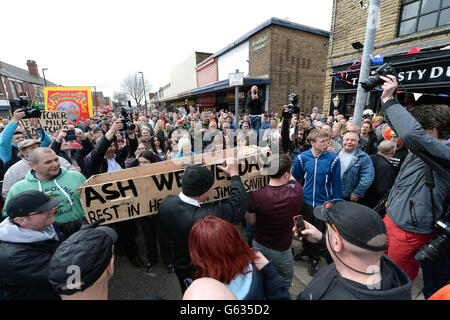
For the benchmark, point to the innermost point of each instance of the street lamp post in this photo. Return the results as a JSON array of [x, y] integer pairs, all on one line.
[[96, 100], [43, 73], [145, 94]]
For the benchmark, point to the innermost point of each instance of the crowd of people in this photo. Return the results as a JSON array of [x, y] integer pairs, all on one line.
[[370, 196]]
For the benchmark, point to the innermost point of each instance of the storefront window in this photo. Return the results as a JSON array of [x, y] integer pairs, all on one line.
[[419, 15], [349, 106]]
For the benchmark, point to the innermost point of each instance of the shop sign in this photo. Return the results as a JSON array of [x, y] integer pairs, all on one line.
[[241, 95], [260, 43], [236, 79], [427, 74], [206, 99]]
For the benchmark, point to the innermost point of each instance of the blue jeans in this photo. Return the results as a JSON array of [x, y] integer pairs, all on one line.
[[255, 123]]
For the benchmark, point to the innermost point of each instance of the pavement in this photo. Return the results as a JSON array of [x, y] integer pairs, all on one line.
[[131, 283]]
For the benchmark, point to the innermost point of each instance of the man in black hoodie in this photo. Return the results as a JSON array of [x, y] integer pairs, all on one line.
[[356, 239]]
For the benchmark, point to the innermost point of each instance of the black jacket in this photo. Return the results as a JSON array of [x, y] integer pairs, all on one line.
[[97, 162], [289, 146], [178, 217], [370, 147], [75, 154], [24, 269], [383, 181], [267, 284], [255, 107], [327, 284]]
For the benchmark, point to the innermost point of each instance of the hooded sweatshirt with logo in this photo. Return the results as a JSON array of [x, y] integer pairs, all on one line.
[[63, 187]]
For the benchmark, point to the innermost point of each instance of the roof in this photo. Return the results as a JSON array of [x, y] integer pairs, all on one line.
[[11, 71], [271, 21]]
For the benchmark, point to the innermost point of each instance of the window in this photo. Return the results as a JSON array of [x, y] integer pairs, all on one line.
[[420, 15], [20, 88], [13, 89]]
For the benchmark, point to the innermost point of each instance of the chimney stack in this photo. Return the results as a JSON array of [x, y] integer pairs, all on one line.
[[33, 68]]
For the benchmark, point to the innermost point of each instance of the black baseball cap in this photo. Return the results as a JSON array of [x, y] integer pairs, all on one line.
[[29, 201], [88, 251], [356, 223]]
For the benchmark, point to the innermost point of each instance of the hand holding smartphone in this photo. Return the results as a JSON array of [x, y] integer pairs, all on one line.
[[299, 224], [70, 135]]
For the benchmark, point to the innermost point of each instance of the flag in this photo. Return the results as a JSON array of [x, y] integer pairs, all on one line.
[[414, 50], [76, 101]]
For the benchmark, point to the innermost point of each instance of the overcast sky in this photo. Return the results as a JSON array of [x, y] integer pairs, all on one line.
[[98, 43]]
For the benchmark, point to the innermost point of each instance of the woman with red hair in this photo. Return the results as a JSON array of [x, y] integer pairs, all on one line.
[[218, 251]]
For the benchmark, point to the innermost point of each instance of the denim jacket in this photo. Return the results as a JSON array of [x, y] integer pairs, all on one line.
[[359, 174]]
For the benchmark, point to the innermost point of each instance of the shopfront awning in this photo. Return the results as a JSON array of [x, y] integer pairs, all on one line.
[[224, 84]]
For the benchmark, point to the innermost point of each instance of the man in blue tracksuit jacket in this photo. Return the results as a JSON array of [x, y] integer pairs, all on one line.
[[8, 149], [321, 172]]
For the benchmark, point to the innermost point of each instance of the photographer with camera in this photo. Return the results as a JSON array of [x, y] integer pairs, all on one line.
[[293, 143], [423, 182], [107, 157], [254, 105], [13, 134]]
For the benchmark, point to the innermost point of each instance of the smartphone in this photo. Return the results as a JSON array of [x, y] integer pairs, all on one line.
[[299, 224], [70, 135]]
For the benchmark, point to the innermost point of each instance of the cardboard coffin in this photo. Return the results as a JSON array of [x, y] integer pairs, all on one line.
[[137, 192]]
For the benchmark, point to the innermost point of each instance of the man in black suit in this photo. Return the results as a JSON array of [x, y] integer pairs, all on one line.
[[179, 213]]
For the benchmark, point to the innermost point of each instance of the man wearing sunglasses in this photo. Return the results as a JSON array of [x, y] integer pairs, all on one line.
[[28, 240], [356, 239]]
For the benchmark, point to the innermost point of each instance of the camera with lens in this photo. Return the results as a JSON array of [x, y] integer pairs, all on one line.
[[24, 104], [127, 123], [376, 80], [292, 107], [437, 245]]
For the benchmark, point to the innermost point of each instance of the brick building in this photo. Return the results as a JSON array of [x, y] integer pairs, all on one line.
[[412, 35], [14, 81], [278, 56]]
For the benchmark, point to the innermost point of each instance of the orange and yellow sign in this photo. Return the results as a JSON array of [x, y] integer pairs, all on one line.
[[75, 101]]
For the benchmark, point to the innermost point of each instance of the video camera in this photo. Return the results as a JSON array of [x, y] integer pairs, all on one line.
[[375, 80], [127, 123], [24, 104], [438, 245], [292, 107]]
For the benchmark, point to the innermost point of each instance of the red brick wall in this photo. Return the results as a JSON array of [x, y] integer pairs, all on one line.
[[2, 89]]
